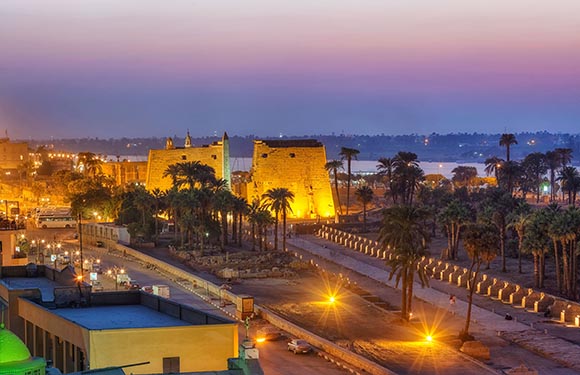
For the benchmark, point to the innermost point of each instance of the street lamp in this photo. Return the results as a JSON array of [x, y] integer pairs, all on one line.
[[116, 271]]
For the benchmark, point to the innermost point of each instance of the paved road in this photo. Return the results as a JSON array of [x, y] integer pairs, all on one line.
[[274, 357], [372, 275]]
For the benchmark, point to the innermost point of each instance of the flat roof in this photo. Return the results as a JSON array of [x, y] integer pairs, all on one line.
[[118, 317], [46, 286]]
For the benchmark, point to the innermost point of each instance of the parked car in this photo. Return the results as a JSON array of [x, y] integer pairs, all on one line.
[[97, 286], [299, 346], [100, 244], [132, 284], [147, 289], [268, 334]]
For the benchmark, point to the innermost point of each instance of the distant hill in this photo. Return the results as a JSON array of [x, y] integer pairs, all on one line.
[[464, 147]]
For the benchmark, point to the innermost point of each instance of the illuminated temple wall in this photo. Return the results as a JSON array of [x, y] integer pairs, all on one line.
[[216, 155], [297, 165]]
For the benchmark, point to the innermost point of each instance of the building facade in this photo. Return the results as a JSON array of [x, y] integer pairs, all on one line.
[[216, 155], [297, 165], [61, 320]]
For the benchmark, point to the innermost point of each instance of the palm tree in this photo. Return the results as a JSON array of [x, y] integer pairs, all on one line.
[[507, 139], [333, 166], [454, 217], [191, 174], [407, 174], [254, 210], [492, 166], [537, 242], [386, 168], [565, 156], [518, 220], [348, 154], [463, 176], [92, 165], [158, 197], [279, 200], [223, 204], [509, 172], [535, 167], [570, 179], [403, 231], [553, 161], [240, 209], [364, 195], [480, 242]]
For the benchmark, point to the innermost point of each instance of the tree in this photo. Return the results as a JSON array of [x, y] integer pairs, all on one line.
[[518, 220], [348, 154], [364, 195], [191, 174], [536, 241], [507, 140], [403, 232], [463, 176], [570, 179], [535, 167], [90, 163], [492, 166], [407, 175], [495, 210], [553, 162], [480, 242], [279, 200], [454, 217], [385, 168], [333, 166]]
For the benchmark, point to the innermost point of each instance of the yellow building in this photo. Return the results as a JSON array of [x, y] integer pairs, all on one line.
[[10, 254], [12, 155], [216, 155], [297, 165], [63, 321], [126, 172]]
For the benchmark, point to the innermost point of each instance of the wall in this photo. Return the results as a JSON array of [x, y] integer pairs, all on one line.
[[126, 172], [212, 155], [200, 348], [297, 166]]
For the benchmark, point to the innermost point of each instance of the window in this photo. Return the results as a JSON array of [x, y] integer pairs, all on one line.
[[183, 157], [264, 155], [214, 157], [171, 365], [292, 155]]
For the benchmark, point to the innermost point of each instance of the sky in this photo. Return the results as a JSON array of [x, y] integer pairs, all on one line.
[[145, 68]]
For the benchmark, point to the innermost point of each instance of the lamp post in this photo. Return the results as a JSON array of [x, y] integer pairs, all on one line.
[[116, 271], [81, 243]]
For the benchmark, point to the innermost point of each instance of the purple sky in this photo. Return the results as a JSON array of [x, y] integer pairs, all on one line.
[[113, 68]]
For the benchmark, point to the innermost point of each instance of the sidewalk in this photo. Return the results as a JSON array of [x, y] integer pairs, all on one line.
[[529, 330]]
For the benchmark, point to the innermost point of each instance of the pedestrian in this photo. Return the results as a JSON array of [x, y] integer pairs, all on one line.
[[452, 300], [508, 316]]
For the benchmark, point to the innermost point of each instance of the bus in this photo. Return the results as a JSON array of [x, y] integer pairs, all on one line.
[[53, 221]]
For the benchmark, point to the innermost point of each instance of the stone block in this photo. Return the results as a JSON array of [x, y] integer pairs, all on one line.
[[505, 292], [517, 295]]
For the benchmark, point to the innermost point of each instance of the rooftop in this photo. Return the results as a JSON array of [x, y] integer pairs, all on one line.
[[275, 143], [45, 285], [119, 317]]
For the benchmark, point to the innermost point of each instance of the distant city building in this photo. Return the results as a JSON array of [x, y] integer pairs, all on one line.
[[61, 320], [12, 156], [297, 165], [10, 254], [216, 155]]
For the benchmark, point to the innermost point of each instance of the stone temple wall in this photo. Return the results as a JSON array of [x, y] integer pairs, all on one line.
[[158, 161], [297, 165]]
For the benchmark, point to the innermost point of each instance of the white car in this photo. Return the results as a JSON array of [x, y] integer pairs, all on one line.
[[299, 346]]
